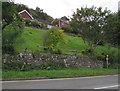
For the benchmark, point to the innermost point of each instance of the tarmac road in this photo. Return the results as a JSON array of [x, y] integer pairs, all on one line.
[[92, 82]]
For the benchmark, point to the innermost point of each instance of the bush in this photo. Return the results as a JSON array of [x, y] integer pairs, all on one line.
[[35, 23], [27, 22], [9, 34], [68, 29], [88, 52], [52, 38], [20, 66], [52, 66], [9, 49], [113, 58]]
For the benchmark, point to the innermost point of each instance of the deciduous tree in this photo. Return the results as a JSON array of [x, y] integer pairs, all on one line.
[[113, 29], [90, 22]]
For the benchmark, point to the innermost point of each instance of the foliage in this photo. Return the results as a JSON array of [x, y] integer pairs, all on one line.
[[13, 66], [10, 33], [27, 22], [37, 13], [20, 66], [114, 59], [52, 38], [41, 15], [113, 56], [38, 24], [20, 7], [90, 22], [113, 29], [52, 66], [35, 23], [68, 29], [7, 13], [30, 39]]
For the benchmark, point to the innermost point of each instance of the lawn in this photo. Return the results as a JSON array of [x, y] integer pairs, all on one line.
[[31, 38], [57, 73]]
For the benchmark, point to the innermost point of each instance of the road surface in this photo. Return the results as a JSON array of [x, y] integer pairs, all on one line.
[[93, 82]]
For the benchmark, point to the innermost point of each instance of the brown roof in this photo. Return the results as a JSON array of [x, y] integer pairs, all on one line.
[[25, 14]]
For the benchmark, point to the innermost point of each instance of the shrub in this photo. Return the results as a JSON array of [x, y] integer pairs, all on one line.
[[27, 22], [52, 38], [20, 66], [52, 66], [114, 66], [9, 34], [8, 48], [113, 58], [35, 23], [68, 29], [88, 52]]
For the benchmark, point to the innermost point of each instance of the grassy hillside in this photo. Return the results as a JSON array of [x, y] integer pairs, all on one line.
[[32, 37]]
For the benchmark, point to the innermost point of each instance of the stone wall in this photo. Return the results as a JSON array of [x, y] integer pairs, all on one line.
[[69, 60]]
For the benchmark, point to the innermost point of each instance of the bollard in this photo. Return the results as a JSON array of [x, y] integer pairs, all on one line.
[[107, 60]]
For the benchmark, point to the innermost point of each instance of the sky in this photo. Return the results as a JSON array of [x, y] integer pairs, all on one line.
[[60, 8]]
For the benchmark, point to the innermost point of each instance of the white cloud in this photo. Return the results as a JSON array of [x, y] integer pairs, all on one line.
[[59, 8]]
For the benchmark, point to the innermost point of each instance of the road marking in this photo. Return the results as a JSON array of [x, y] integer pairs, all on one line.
[[56, 79], [107, 87]]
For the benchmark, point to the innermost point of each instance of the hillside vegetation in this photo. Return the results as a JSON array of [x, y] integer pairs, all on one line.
[[31, 38]]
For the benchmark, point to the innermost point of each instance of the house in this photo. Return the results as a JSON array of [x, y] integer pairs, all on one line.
[[60, 22], [46, 22], [26, 14]]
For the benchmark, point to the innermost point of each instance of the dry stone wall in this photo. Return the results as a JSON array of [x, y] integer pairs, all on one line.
[[68, 60]]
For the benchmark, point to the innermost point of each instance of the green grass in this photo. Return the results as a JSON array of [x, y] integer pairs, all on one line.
[[58, 73], [73, 43], [32, 37], [106, 48]]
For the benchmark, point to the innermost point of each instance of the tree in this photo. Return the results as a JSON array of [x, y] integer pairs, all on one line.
[[41, 15], [21, 7], [39, 10], [12, 26], [10, 33], [52, 38], [113, 29], [7, 13], [90, 22]]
